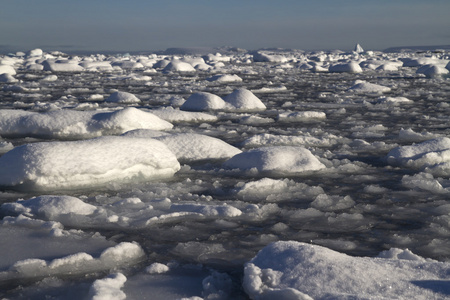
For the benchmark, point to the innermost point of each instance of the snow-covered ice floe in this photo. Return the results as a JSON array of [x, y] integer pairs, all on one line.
[[96, 162], [278, 160], [293, 270], [434, 155], [71, 124]]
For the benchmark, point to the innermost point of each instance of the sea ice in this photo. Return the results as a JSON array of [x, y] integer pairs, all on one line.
[[203, 101], [77, 124], [293, 270], [430, 153], [122, 97], [87, 163], [189, 147], [277, 160], [244, 100]]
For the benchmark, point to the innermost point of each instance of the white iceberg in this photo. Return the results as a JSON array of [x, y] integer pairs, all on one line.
[[277, 160], [293, 270], [87, 163]]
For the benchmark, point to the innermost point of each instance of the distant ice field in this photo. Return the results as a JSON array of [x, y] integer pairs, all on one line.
[[190, 177]]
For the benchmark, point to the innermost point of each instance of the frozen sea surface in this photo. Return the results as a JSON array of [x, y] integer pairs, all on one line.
[[355, 159]]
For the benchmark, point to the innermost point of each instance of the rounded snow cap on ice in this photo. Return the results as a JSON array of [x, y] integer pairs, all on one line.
[[122, 97], [431, 71], [203, 101], [351, 67], [278, 160], [243, 99], [179, 66], [7, 69]]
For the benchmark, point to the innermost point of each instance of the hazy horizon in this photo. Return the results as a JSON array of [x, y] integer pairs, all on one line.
[[138, 25]]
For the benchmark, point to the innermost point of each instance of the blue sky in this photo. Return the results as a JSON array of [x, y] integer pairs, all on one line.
[[142, 25]]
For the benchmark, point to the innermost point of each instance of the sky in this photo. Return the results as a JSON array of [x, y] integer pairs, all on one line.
[[145, 25]]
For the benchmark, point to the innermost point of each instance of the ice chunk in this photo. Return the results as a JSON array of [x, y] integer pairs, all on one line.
[[122, 97], [225, 78], [292, 268], [178, 66], [96, 162], [283, 160], [265, 57], [431, 71], [426, 154], [351, 67], [49, 206], [358, 49], [362, 86], [7, 69], [301, 116], [77, 124], [243, 99], [203, 101], [62, 66], [175, 115], [108, 288]]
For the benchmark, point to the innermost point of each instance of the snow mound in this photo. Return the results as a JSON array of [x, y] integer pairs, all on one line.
[[243, 99], [264, 57], [288, 140], [394, 100], [351, 67], [123, 254], [293, 270], [63, 66], [108, 288], [301, 116], [431, 153], [77, 124], [432, 71], [88, 163], [277, 160], [7, 69], [203, 101], [224, 78], [49, 206], [122, 97], [361, 86], [8, 78], [189, 147], [178, 66], [175, 115]]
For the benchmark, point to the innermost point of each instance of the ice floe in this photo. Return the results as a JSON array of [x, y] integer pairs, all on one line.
[[432, 154], [276, 160], [293, 270], [122, 97], [78, 164], [77, 124], [189, 147], [244, 100]]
